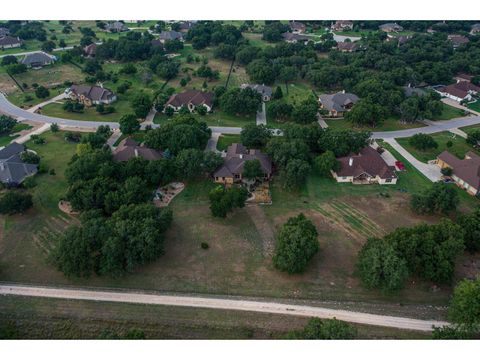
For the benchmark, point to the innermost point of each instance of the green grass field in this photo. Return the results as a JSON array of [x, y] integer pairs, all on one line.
[[217, 118], [459, 147], [5, 139], [450, 112], [224, 141], [390, 124], [475, 106], [122, 107]]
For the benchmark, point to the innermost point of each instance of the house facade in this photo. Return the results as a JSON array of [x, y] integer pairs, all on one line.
[[366, 167], [90, 50], [91, 95], [190, 99], [170, 35], [337, 104], [232, 169], [342, 25], [465, 172], [9, 42], [116, 27]]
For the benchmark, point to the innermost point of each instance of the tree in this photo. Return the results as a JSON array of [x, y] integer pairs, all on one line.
[[365, 112], [168, 69], [14, 202], [464, 308], [296, 245], [326, 162], [48, 46], [473, 138], [30, 157], [439, 198], [343, 142], [129, 124], [7, 123], [223, 201], [280, 110], [255, 136], [261, 71], [9, 60], [42, 92], [252, 169], [238, 101], [189, 163], [306, 112], [295, 173], [54, 128], [380, 266], [470, 224], [273, 31], [15, 69], [278, 94], [142, 103], [423, 142], [326, 329]]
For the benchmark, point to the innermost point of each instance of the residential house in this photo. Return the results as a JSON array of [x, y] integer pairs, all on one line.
[[463, 77], [366, 167], [347, 46], [391, 27], [190, 99], [157, 43], [265, 91], [38, 59], [460, 91], [465, 172], [294, 38], [4, 31], [170, 35], [116, 27], [337, 104], [90, 50], [184, 26], [401, 39], [13, 171], [475, 29], [9, 42], [91, 95], [232, 169], [410, 91], [129, 149], [458, 40], [297, 27], [342, 25]]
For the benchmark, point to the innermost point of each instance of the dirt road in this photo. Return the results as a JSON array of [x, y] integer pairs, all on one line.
[[221, 303]]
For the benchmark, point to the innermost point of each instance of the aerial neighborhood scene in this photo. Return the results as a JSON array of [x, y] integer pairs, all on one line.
[[277, 179]]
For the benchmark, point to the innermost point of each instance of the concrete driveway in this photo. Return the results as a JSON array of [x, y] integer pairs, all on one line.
[[49, 101], [432, 172], [262, 116]]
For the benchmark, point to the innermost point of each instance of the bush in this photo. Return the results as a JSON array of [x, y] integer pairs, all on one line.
[[42, 92], [439, 198], [204, 246], [37, 139], [446, 171], [14, 202], [30, 157], [326, 329], [423, 142], [54, 128]]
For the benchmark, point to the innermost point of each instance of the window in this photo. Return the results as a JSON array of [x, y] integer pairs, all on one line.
[[388, 180]]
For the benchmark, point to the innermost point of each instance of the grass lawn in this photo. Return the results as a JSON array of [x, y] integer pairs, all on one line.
[[390, 124], [5, 139], [469, 129], [139, 136], [450, 112], [217, 118], [474, 106], [225, 141], [122, 107], [459, 147]]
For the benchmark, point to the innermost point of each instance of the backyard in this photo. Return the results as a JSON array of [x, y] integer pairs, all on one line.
[[224, 141]]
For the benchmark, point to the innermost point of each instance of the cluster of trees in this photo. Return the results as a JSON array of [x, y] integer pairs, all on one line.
[[273, 30], [26, 30], [296, 245], [213, 33], [7, 123], [133, 46], [473, 138], [439, 198], [426, 251], [224, 200], [238, 101], [14, 202], [324, 329], [73, 106], [416, 107]]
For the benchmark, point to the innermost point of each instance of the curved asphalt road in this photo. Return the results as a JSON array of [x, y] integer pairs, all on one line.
[[8, 108], [221, 303]]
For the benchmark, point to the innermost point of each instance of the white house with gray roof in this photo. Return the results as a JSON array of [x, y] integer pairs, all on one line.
[[337, 104], [12, 169], [170, 35]]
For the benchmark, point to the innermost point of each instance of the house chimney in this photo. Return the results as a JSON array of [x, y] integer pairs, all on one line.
[[350, 162], [136, 153], [343, 91], [241, 156]]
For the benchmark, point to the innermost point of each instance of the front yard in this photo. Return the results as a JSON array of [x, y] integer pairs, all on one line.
[[390, 124], [216, 118], [459, 147]]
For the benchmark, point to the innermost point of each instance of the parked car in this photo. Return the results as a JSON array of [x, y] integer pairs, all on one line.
[[399, 165]]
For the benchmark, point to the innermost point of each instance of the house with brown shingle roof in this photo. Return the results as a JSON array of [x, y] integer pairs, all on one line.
[[232, 169], [347, 46], [90, 50], [91, 95], [460, 91], [190, 99], [297, 27], [366, 167], [342, 25], [129, 149], [391, 27], [465, 172], [458, 40], [294, 38], [475, 29]]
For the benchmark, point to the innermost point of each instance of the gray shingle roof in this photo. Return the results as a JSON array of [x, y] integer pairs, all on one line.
[[261, 89], [9, 40], [337, 101], [37, 58], [94, 93], [234, 162], [170, 35], [12, 169]]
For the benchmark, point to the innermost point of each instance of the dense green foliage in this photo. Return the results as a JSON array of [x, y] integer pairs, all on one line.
[[224, 200], [464, 308], [423, 142], [238, 101], [324, 329], [255, 136], [14, 202], [7, 124], [296, 245], [438, 198]]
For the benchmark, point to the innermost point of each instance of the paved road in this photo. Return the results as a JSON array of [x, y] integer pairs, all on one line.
[[438, 127], [35, 51], [222, 303], [431, 171]]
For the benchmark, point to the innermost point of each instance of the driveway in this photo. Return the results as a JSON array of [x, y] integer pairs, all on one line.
[[432, 172], [457, 105], [212, 142], [262, 116], [230, 303], [52, 100]]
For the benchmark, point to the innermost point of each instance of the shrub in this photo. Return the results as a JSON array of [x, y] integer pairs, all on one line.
[[423, 142], [14, 202], [204, 246]]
